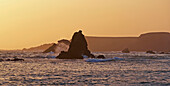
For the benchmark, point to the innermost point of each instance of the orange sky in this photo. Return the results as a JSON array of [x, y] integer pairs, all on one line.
[[27, 23]]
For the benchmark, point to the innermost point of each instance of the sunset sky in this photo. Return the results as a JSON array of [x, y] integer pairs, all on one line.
[[28, 23]]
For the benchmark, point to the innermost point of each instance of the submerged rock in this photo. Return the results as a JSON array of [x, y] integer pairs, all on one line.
[[8, 60], [14, 59], [77, 48], [162, 53], [1, 60], [167, 53], [101, 57], [17, 59], [126, 50], [150, 52]]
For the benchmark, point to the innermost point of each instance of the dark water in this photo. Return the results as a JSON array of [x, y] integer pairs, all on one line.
[[135, 71]]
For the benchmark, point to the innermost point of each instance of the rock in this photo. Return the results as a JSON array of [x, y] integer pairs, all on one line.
[[126, 50], [67, 42], [167, 53], [1, 60], [17, 59], [162, 53], [150, 52], [51, 49], [63, 55], [77, 48], [92, 56], [101, 57], [8, 60], [62, 45], [14, 59]]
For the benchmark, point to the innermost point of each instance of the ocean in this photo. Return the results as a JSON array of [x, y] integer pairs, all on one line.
[[137, 69]]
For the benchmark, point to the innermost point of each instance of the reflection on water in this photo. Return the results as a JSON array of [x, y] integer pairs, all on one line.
[[137, 69]]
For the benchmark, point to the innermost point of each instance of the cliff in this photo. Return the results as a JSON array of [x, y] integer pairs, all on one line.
[[157, 41]]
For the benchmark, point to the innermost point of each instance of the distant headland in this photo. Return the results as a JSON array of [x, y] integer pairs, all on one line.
[[156, 41]]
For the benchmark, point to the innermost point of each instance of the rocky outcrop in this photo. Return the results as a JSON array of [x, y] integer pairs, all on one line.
[[13, 59], [17, 59], [67, 42], [77, 48], [126, 50], [62, 45], [51, 49], [162, 53], [150, 52], [101, 57], [1, 60]]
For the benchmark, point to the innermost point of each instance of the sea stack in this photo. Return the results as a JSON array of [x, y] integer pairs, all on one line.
[[77, 48]]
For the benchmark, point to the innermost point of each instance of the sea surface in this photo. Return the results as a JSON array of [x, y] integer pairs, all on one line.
[[137, 69]]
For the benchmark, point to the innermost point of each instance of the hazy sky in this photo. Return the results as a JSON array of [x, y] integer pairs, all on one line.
[[27, 23]]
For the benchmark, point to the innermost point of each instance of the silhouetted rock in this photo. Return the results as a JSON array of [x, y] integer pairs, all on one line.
[[67, 42], [162, 53], [77, 48], [1, 60], [51, 49], [24, 49], [101, 57], [17, 59], [63, 55], [92, 56], [167, 53], [150, 52], [8, 60], [126, 50], [62, 45], [14, 59]]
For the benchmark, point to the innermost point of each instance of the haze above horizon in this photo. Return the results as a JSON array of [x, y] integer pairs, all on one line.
[[27, 23]]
